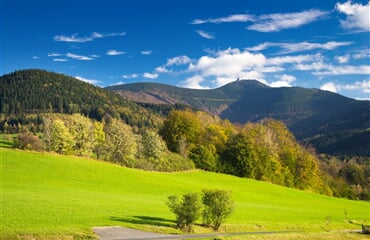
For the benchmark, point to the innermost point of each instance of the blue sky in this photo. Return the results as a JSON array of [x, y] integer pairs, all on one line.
[[193, 43]]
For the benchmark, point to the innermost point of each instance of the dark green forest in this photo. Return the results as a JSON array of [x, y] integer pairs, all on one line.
[[38, 91]]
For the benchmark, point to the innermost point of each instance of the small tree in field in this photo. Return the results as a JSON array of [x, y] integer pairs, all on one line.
[[218, 205], [187, 210]]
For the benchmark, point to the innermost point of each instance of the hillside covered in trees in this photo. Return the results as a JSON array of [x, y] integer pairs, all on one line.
[[38, 91], [332, 123]]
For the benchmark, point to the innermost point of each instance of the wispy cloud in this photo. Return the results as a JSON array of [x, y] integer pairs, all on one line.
[[146, 52], [357, 15], [59, 57], [130, 76], [60, 60], [95, 35], [206, 35], [322, 69], [35, 57], [363, 86], [54, 54], [228, 19], [270, 22], [343, 58], [79, 57], [280, 21], [298, 47], [114, 52], [343, 70]]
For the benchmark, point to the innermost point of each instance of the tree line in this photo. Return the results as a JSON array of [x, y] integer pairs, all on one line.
[[110, 139], [189, 139], [264, 151]]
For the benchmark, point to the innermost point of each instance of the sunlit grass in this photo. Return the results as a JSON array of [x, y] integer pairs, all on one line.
[[47, 195]]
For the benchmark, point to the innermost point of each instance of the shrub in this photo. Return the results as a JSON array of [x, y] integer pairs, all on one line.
[[29, 142], [218, 205], [187, 210]]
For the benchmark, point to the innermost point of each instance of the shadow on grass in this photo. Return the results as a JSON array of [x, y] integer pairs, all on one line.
[[146, 220], [6, 144]]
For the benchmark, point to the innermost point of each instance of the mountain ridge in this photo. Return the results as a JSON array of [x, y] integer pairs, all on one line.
[[314, 116]]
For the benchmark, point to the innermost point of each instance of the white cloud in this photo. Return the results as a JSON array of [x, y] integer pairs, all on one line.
[[219, 68], [206, 35], [361, 54], [146, 52], [150, 75], [363, 86], [54, 54], [76, 39], [288, 78], [79, 57], [91, 81], [285, 80], [114, 52], [320, 68], [228, 65], [298, 47], [161, 69], [342, 70], [60, 60], [134, 75], [278, 84], [343, 58], [280, 21], [294, 59], [179, 60], [35, 57], [330, 86], [193, 82], [118, 83], [229, 62], [270, 22], [228, 19], [357, 15]]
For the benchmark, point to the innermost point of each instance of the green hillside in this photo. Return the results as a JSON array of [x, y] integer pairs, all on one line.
[[51, 196]]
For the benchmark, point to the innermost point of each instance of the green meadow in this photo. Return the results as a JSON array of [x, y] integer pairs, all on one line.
[[46, 196]]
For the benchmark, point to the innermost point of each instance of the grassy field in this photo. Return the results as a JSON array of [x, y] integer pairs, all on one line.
[[46, 196]]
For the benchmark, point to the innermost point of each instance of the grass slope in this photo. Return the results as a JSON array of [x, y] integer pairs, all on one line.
[[45, 196]]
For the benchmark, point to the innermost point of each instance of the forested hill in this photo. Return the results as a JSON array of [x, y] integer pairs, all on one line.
[[332, 123], [39, 91], [214, 101]]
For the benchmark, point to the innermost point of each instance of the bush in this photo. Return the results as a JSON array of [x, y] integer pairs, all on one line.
[[218, 205], [187, 210], [29, 142]]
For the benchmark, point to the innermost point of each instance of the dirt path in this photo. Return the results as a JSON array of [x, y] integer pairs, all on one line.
[[121, 233]]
